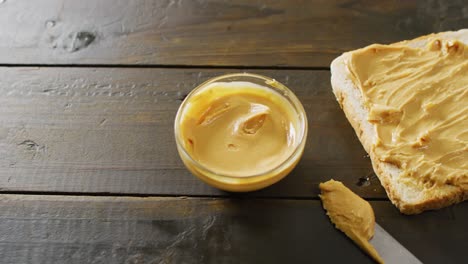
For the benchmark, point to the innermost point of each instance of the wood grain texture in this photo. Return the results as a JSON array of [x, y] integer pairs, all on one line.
[[56, 229], [212, 32], [107, 130]]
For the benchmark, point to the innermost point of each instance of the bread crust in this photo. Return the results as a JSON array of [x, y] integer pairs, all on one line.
[[409, 200]]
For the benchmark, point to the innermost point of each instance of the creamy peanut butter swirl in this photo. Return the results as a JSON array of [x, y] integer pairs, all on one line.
[[418, 101], [239, 128]]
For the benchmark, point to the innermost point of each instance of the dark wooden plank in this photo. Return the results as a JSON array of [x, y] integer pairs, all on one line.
[[111, 130], [211, 32], [434, 236], [56, 229]]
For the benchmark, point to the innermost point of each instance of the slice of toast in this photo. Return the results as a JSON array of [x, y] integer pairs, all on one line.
[[410, 199]]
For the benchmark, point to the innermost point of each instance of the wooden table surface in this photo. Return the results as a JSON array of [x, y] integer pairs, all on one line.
[[89, 171]]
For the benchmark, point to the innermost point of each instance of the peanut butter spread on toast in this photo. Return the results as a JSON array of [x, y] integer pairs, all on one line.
[[417, 98]]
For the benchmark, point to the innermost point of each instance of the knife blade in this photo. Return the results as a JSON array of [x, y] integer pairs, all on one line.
[[390, 249]]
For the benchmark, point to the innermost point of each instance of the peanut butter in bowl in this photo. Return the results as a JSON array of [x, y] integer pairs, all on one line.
[[241, 132]]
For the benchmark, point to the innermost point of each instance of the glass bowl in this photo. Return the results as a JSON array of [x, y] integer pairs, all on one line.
[[245, 183]]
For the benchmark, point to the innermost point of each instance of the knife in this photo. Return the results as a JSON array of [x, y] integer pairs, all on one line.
[[390, 249]]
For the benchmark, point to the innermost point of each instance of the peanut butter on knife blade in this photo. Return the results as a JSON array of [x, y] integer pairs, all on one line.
[[350, 214]]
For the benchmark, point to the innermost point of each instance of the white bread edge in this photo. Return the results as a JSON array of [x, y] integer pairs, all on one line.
[[408, 199]]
